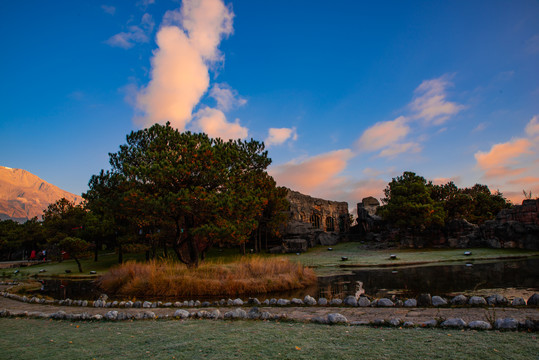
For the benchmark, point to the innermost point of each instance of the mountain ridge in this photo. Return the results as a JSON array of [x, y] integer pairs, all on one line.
[[24, 195]]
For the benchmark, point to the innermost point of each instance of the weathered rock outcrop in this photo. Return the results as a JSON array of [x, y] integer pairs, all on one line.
[[312, 222]]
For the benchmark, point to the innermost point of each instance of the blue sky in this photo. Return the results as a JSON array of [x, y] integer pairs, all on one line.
[[346, 95]]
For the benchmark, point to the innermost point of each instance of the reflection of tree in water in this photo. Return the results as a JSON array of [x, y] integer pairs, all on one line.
[[441, 279]]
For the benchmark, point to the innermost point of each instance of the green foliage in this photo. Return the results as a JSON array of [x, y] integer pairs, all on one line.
[[75, 247], [413, 203], [186, 188], [408, 203]]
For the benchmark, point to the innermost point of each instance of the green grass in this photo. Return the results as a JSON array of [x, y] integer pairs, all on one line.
[[205, 339], [325, 261]]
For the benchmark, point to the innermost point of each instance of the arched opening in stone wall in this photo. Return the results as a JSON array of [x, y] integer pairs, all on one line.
[[330, 224], [315, 221]]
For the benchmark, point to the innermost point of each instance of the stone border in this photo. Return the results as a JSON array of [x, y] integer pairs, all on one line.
[[423, 300], [505, 324]]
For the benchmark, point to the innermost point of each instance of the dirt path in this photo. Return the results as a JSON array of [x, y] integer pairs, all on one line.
[[305, 313]]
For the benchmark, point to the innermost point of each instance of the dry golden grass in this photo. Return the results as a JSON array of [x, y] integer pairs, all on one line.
[[168, 279]]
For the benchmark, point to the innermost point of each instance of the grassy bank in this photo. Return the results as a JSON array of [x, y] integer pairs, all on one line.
[[31, 339], [325, 261], [250, 275]]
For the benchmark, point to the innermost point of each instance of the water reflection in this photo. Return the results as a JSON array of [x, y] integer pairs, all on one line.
[[408, 282], [439, 279]]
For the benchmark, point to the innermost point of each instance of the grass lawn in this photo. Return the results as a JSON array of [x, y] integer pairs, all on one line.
[[325, 261], [204, 339]]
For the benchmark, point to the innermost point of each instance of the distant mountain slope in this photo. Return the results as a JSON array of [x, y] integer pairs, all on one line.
[[23, 195]]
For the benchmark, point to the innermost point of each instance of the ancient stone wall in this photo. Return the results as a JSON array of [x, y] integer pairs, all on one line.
[[325, 215], [312, 222]]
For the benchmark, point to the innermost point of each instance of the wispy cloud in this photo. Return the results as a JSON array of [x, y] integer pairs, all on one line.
[[430, 101], [532, 45], [383, 134], [111, 10], [226, 97], [277, 136], [309, 174], [396, 149], [134, 34]]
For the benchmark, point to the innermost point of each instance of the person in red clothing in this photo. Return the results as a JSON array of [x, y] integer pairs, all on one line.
[[33, 255]]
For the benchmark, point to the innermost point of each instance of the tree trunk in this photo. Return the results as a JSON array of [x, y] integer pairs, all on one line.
[[78, 263]]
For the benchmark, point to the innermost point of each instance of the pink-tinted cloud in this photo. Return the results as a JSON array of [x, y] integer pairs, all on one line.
[[206, 22], [188, 44], [179, 78], [308, 175], [430, 103], [277, 136], [213, 122], [532, 128], [396, 149], [527, 180], [383, 134], [497, 162]]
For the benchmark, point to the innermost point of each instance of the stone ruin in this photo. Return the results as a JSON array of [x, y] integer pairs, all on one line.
[[313, 222]]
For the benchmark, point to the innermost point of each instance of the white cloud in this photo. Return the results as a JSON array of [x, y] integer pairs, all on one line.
[[532, 128], [213, 122], [135, 34], [226, 97], [277, 136], [430, 103]]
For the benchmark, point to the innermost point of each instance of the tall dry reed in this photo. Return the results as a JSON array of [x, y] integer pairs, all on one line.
[[254, 275]]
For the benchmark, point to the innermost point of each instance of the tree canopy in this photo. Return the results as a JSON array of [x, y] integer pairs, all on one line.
[[412, 202], [199, 190]]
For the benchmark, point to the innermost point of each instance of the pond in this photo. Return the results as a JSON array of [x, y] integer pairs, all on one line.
[[511, 278]]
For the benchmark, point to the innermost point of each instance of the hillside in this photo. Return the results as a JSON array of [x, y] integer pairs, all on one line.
[[23, 195]]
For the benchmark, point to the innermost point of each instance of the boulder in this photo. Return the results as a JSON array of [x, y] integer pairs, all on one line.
[[518, 301], [479, 325], [410, 303], [408, 324], [320, 320], [454, 323], [254, 313], [459, 300], [477, 301], [147, 304], [283, 302], [335, 302], [429, 323], [497, 299], [181, 314], [424, 300], [309, 300], [237, 302], [297, 302], [254, 301], [236, 314], [350, 301], [438, 301], [322, 301], [506, 324], [533, 300], [383, 302], [336, 318], [395, 322], [364, 301], [111, 315]]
